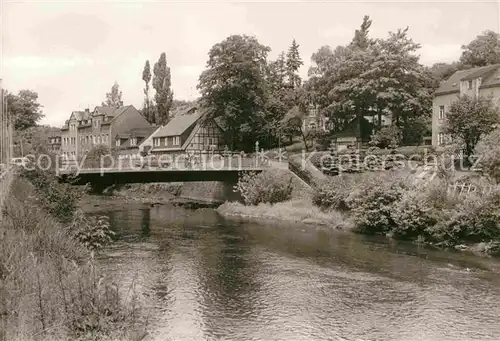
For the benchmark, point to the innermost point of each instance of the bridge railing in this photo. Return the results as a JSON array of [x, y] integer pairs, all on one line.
[[229, 161]]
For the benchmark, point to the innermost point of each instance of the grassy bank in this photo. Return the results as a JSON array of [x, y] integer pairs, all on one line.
[[296, 211], [50, 286], [411, 206]]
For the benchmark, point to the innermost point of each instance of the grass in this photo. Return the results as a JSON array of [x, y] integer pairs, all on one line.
[[296, 211], [50, 285]]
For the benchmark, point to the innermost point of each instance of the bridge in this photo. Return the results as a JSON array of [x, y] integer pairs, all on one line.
[[101, 178]]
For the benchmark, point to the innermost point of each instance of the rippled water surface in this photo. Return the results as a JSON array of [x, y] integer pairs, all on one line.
[[205, 278]]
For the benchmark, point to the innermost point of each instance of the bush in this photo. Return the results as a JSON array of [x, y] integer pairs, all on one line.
[[334, 193], [387, 137], [92, 232], [50, 288], [489, 153], [265, 187], [372, 203], [476, 219], [413, 214], [94, 156], [58, 199]]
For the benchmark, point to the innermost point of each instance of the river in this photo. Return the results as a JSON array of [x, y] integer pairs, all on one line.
[[203, 277]]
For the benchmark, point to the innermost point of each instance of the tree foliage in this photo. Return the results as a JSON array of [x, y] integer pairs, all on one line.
[[24, 109], [483, 50], [489, 155], [162, 85], [469, 119], [234, 87], [114, 97], [146, 77], [293, 64], [372, 77]]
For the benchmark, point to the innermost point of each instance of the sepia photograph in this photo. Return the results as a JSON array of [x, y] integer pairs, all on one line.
[[215, 170]]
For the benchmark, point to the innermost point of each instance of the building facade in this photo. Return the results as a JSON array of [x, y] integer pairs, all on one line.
[[189, 133], [55, 144], [314, 120], [475, 82], [133, 143], [86, 129]]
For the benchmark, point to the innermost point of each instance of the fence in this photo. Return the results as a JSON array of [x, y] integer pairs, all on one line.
[[183, 161], [465, 188]]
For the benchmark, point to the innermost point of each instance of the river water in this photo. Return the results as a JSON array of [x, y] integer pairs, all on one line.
[[203, 277]]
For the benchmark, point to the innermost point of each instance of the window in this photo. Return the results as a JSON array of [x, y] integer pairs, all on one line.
[[118, 143], [156, 142], [469, 84], [177, 141], [441, 112], [441, 139], [87, 139], [133, 141]]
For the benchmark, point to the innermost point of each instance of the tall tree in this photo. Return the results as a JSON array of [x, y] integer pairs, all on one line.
[[146, 77], [164, 94], [372, 77], [113, 98], [469, 119], [24, 109], [234, 87], [442, 71], [361, 38], [277, 72], [402, 86], [483, 50], [293, 64]]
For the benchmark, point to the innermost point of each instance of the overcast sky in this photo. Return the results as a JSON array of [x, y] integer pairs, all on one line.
[[71, 52]]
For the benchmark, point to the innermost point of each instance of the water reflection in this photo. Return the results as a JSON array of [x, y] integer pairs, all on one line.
[[212, 279]]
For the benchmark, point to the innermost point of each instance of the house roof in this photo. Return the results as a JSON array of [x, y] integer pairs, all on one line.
[[108, 111], [452, 84], [138, 132], [80, 115], [143, 133], [179, 124]]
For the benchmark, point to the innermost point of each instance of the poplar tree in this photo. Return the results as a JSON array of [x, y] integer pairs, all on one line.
[[164, 94], [146, 77]]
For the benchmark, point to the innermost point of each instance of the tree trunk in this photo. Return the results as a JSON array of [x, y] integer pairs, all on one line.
[[305, 140]]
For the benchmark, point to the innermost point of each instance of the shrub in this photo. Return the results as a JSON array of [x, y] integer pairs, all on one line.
[[386, 137], [58, 199], [265, 187], [49, 286], [478, 218], [413, 214], [487, 149], [334, 193], [94, 156], [92, 232], [372, 203]]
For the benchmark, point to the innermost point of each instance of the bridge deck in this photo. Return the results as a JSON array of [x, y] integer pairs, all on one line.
[[156, 170]]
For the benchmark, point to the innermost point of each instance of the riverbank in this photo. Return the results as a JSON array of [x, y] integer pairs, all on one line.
[[294, 211], [51, 286]]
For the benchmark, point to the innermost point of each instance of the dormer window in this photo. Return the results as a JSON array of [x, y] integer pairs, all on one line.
[[118, 142], [469, 84], [177, 140], [133, 141]]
